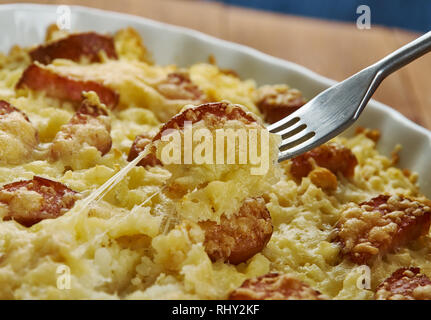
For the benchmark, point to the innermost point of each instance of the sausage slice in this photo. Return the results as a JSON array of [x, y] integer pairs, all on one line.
[[139, 144], [89, 126], [178, 86], [275, 286], [278, 101], [239, 237], [31, 201], [405, 284], [75, 47], [381, 225], [39, 78], [332, 156], [211, 113]]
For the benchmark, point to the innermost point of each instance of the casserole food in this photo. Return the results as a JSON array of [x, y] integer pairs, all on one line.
[[164, 231]]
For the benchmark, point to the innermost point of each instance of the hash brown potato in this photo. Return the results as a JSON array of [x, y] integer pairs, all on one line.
[[304, 229]]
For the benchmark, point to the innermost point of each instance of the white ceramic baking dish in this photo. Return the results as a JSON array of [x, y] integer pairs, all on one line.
[[25, 24]]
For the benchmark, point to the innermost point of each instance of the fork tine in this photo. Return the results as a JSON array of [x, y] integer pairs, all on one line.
[[284, 123], [338, 107], [300, 148], [296, 139], [292, 130]]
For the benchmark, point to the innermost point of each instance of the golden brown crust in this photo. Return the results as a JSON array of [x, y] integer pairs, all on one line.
[[229, 72], [178, 86], [91, 108], [6, 108], [372, 134], [332, 156], [31, 201], [240, 237], [38, 78], [405, 284], [18, 137], [381, 225], [129, 44], [51, 31], [90, 125], [278, 101], [324, 179], [275, 286], [75, 47], [213, 114]]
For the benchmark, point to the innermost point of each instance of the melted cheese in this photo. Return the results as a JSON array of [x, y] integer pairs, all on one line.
[[124, 239]]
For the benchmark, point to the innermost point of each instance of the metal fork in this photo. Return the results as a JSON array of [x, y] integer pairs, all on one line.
[[335, 109]]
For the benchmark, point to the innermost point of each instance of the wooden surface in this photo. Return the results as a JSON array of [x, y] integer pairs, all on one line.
[[333, 49]]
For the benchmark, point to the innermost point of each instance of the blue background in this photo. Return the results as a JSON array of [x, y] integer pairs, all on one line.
[[407, 14]]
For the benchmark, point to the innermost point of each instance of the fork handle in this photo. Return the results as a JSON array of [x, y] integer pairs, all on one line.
[[404, 55]]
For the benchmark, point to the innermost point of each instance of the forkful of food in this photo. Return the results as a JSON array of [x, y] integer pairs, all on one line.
[[335, 109]]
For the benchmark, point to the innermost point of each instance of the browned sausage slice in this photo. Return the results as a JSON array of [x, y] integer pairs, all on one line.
[[178, 86], [239, 237], [90, 125], [139, 144], [278, 101], [405, 284], [275, 286], [38, 78], [381, 225], [74, 47], [332, 156], [211, 113], [31, 201]]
